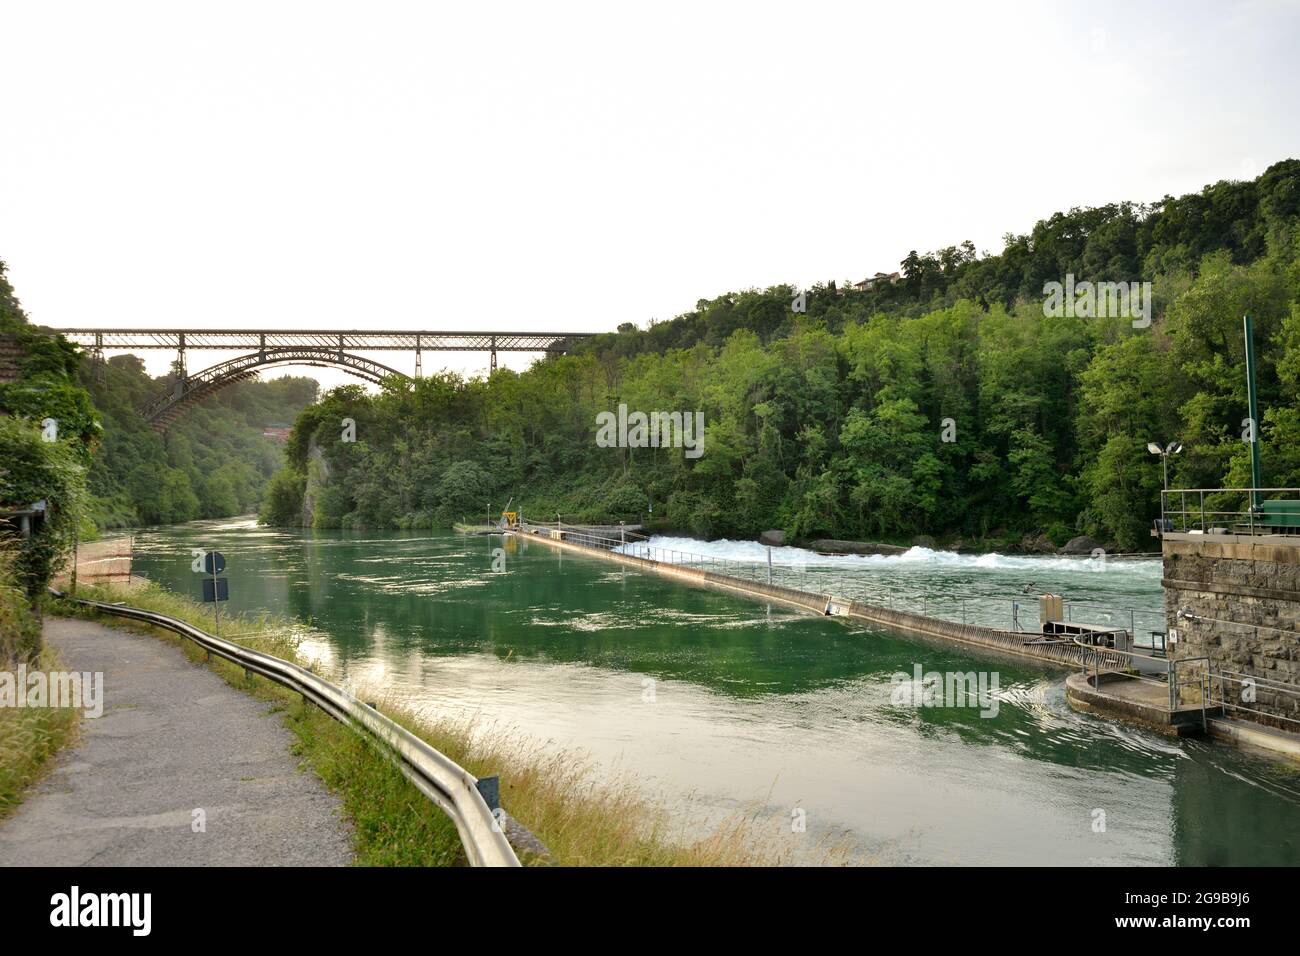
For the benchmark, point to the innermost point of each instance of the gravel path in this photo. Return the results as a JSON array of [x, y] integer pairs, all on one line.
[[173, 738]]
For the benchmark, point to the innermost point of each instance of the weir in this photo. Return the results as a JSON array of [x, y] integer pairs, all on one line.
[[1049, 650]]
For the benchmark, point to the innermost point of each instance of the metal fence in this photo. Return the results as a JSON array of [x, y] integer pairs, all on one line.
[[1195, 681], [1235, 690], [1172, 679], [1230, 510], [1221, 682], [452, 788]]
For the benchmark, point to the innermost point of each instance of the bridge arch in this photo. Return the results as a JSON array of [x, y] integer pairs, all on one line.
[[170, 405]]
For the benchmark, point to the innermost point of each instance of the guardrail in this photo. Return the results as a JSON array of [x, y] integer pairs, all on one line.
[[1220, 677], [452, 788]]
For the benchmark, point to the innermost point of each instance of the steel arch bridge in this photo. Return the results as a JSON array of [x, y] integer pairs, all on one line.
[[316, 347], [168, 406]]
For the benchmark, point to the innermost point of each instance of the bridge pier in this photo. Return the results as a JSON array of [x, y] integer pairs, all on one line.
[[98, 368], [181, 374]]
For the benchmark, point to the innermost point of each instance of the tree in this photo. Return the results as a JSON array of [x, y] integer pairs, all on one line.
[[32, 471]]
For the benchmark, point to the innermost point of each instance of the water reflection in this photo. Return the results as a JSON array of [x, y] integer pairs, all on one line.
[[758, 707]]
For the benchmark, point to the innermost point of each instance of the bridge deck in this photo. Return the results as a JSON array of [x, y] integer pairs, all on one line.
[[403, 340]]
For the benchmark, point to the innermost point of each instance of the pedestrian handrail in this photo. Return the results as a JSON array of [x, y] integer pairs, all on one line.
[[452, 788], [1231, 510]]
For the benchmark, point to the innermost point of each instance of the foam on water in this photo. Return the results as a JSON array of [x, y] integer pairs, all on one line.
[[753, 552]]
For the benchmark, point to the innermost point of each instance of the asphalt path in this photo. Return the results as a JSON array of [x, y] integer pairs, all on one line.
[[180, 770]]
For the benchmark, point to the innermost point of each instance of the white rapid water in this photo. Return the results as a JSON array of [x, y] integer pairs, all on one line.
[[997, 590], [916, 557]]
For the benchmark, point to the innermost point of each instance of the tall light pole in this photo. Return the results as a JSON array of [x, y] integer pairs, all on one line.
[[1252, 409], [1164, 451]]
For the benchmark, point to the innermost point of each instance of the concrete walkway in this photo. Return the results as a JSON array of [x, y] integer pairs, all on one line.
[[173, 738]]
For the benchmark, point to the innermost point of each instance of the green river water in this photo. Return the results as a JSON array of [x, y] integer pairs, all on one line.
[[717, 705]]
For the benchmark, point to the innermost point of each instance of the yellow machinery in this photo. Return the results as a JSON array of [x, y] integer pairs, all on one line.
[[509, 519]]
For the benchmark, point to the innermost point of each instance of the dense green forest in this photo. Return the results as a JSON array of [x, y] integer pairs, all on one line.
[[38, 383], [831, 421], [212, 463]]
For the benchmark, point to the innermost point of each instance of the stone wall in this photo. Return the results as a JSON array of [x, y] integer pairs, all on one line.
[[1240, 588]]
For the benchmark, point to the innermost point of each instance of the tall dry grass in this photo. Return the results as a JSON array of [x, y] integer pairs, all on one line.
[[29, 736]]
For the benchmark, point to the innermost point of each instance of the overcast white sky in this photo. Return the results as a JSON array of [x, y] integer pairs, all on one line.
[[570, 167]]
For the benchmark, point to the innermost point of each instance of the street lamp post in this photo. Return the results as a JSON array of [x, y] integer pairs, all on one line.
[[1164, 451]]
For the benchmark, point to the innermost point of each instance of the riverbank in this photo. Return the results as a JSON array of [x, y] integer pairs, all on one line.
[[106, 560], [552, 792]]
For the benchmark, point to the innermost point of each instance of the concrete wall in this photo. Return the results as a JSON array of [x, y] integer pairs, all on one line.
[[1240, 585]]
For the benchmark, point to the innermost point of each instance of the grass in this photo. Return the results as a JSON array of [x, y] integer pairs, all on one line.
[[557, 794], [29, 736]]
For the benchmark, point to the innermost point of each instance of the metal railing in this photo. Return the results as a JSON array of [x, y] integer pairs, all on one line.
[[1095, 655], [452, 788], [1221, 678], [1234, 510], [1258, 685], [1079, 612], [1210, 683]]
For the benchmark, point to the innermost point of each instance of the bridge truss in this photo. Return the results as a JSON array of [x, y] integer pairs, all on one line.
[[316, 347], [188, 389]]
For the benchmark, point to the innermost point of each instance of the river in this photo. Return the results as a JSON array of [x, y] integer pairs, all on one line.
[[717, 705]]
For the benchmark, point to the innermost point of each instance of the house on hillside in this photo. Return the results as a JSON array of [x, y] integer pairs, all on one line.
[[880, 277]]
